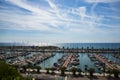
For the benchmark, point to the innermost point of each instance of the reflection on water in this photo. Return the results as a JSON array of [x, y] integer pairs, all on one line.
[[83, 59], [49, 62], [112, 58]]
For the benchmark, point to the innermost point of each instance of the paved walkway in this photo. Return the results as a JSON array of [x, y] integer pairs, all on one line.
[[86, 78], [70, 73], [43, 76]]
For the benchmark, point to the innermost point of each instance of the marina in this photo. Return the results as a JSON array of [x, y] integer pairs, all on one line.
[[56, 57], [60, 57]]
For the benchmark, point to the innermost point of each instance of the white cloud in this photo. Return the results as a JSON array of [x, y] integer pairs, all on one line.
[[52, 5], [102, 1], [51, 19], [75, 23]]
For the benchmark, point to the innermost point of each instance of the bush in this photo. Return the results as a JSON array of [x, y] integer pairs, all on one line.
[[8, 72]]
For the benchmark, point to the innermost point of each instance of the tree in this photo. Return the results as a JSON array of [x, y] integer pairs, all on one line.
[[38, 69], [63, 47], [104, 67], [79, 70], [92, 48], [53, 69], [63, 71], [24, 68], [116, 73], [109, 71], [74, 71], [30, 65], [8, 72], [47, 69], [86, 68], [91, 71], [87, 49], [82, 48]]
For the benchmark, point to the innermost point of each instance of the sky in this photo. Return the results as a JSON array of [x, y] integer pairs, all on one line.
[[60, 21]]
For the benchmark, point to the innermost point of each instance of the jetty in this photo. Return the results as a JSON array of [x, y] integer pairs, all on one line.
[[105, 61], [67, 60]]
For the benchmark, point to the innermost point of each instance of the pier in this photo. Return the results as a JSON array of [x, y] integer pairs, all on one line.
[[106, 62], [67, 60]]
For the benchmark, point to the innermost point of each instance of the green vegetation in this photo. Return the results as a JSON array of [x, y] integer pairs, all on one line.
[[53, 70], [8, 72], [91, 71], [49, 47], [48, 70], [38, 69], [63, 69], [109, 71], [74, 70], [79, 70], [86, 69], [116, 73]]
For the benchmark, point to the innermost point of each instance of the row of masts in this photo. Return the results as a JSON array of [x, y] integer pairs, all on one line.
[[57, 49]]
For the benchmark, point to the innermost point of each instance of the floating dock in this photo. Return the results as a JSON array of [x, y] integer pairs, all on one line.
[[105, 61], [67, 60]]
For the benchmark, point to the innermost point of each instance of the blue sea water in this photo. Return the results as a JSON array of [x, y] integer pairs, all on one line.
[[72, 45], [90, 45], [13, 44]]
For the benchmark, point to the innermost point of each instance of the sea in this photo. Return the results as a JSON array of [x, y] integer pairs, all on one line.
[[90, 45], [69, 45]]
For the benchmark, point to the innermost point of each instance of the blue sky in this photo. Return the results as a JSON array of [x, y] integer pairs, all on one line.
[[59, 21]]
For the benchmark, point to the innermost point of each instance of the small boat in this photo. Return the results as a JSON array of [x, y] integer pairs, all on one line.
[[56, 65], [75, 63]]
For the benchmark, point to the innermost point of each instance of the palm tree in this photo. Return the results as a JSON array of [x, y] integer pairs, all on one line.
[[47, 70], [109, 71], [30, 65], [38, 69], [79, 70], [116, 73], [63, 47], [82, 49], [63, 71], [74, 71], [91, 71], [24, 68], [104, 68], [53, 69], [86, 68], [87, 49], [92, 49], [77, 49]]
